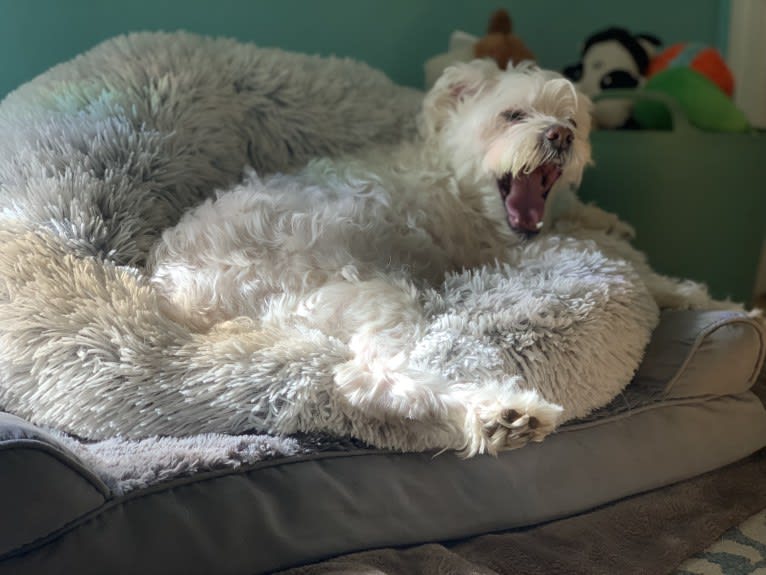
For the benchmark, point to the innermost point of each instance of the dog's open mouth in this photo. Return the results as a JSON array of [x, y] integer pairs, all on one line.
[[524, 196]]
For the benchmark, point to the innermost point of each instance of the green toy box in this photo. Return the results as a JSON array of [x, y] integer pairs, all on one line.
[[697, 199]]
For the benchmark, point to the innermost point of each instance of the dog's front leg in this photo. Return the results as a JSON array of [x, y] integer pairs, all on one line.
[[394, 404], [472, 418]]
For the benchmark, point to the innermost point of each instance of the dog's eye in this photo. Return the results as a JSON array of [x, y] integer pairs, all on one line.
[[573, 122], [514, 115]]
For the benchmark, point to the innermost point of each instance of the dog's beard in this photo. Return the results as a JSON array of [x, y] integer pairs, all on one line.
[[524, 196], [526, 161]]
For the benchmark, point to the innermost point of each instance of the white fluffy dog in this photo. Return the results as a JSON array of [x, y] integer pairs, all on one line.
[[326, 248]]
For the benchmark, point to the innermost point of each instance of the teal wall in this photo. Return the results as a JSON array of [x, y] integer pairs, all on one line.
[[395, 35]]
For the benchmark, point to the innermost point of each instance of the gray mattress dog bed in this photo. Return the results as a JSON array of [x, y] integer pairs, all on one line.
[[249, 503], [688, 411]]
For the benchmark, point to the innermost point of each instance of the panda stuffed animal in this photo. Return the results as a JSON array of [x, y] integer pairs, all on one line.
[[613, 59]]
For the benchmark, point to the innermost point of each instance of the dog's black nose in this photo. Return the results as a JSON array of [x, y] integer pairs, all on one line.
[[559, 137]]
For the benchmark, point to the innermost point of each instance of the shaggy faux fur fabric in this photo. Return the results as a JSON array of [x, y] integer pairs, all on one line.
[[125, 465], [103, 153]]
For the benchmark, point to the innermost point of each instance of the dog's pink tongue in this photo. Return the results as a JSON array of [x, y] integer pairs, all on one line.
[[525, 203]]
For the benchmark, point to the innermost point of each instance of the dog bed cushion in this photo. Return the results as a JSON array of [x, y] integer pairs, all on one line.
[[686, 412]]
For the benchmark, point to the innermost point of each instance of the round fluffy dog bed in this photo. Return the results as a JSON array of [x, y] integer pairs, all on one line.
[[103, 153]]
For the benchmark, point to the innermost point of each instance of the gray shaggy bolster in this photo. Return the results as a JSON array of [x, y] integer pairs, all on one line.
[[86, 347], [110, 148]]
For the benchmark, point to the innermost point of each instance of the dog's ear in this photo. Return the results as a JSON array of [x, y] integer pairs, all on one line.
[[456, 85]]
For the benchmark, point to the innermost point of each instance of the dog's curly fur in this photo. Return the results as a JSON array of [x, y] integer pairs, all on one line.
[[324, 247]]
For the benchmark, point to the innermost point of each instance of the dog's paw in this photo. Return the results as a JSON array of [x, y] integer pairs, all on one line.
[[510, 421]]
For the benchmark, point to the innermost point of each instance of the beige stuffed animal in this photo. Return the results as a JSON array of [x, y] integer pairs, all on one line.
[[499, 44]]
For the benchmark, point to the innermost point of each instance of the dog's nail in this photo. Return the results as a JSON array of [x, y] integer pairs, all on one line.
[[509, 415], [520, 422]]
